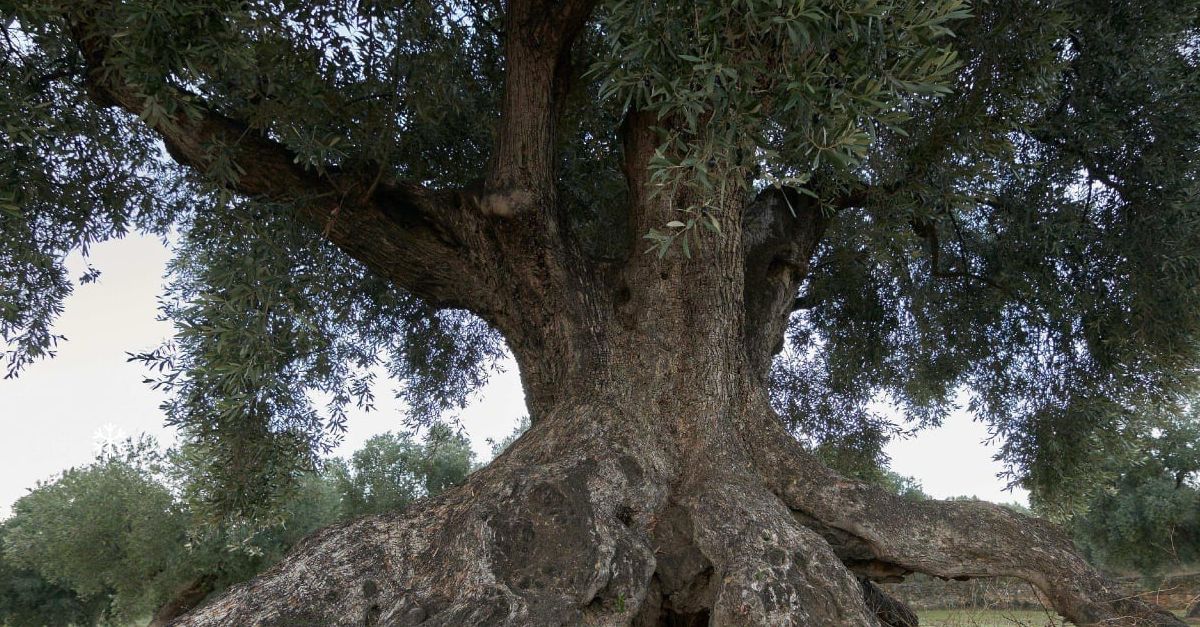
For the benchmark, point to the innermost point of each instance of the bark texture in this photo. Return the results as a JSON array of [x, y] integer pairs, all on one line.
[[656, 486], [586, 522]]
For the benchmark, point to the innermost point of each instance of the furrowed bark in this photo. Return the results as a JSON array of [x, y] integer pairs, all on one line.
[[544, 535], [772, 571], [537, 46], [583, 521], [884, 536]]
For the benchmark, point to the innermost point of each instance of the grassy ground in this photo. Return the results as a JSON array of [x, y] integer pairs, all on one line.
[[988, 618], [993, 618]]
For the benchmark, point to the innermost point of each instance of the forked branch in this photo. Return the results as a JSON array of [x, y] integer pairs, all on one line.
[[402, 231]]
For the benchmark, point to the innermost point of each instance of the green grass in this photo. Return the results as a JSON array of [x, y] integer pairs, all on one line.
[[988, 618], [994, 618]]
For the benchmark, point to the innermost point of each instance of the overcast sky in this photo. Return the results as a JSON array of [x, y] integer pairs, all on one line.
[[56, 412]]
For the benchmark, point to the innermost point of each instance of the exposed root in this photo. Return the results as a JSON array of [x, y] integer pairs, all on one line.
[[771, 571], [525, 542], [881, 534], [547, 537], [579, 525]]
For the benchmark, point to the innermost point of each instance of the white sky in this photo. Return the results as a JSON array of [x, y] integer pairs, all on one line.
[[53, 415]]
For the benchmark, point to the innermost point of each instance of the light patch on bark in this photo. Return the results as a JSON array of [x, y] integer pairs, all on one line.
[[506, 203]]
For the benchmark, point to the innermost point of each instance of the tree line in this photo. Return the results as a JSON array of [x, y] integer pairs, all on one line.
[[127, 537]]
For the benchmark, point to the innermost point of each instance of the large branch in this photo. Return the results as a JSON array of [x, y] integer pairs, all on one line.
[[404, 232], [883, 536], [537, 46], [928, 231], [781, 229]]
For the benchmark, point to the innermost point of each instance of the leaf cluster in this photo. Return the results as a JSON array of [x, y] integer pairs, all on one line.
[[777, 85], [278, 335], [1030, 240]]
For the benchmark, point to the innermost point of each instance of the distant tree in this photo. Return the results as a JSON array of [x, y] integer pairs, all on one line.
[[110, 529], [28, 598], [1146, 516], [117, 539], [1011, 506], [501, 445], [902, 485], [862, 458], [391, 471]]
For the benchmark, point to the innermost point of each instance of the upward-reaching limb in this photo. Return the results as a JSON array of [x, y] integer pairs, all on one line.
[[403, 231]]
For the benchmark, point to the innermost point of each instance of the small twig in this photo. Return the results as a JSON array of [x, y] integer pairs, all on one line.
[[928, 232], [374, 184]]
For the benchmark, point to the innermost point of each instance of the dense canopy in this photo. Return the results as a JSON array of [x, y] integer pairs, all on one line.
[[1011, 189]]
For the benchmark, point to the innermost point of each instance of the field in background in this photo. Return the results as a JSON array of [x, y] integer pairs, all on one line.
[[988, 618], [994, 618]]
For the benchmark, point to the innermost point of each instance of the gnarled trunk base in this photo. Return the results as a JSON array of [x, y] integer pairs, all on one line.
[[590, 520]]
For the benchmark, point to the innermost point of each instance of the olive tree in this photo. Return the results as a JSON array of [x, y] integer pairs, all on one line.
[[1146, 516], [711, 233]]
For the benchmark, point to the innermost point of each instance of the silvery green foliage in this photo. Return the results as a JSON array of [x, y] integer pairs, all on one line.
[[781, 86], [1037, 244], [270, 320], [390, 471], [762, 91], [71, 175]]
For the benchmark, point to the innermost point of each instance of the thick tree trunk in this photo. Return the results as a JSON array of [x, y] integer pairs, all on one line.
[[656, 485]]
